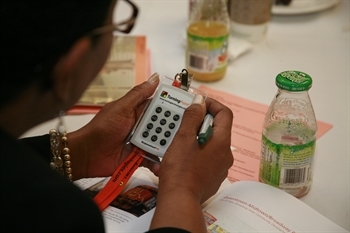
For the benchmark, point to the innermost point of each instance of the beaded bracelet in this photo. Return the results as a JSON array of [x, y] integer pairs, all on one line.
[[57, 141]]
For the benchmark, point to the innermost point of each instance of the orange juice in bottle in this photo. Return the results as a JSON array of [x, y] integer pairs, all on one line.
[[207, 40]]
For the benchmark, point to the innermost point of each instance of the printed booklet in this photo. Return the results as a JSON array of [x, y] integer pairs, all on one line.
[[242, 206], [128, 65]]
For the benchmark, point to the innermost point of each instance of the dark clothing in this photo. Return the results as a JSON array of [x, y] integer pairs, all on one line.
[[35, 198]]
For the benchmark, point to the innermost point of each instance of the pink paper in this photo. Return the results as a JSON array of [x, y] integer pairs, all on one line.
[[246, 133]]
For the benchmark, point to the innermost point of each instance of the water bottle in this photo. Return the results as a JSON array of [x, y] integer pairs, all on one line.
[[289, 136]]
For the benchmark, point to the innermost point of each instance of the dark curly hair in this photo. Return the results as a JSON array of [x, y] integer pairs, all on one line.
[[35, 33]]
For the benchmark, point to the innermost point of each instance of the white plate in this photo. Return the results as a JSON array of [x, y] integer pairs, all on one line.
[[303, 7]]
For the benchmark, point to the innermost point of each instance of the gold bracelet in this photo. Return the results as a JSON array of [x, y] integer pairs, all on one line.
[[57, 141]]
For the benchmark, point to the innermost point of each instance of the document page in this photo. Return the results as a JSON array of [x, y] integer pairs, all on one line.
[[131, 211], [244, 206], [249, 206], [128, 65]]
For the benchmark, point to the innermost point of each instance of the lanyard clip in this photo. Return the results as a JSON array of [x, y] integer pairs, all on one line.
[[183, 80]]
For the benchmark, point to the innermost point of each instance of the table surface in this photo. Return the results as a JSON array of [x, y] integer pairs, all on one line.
[[316, 43]]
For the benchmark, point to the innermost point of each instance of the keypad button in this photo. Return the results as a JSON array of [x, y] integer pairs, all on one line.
[[154, 118], [167, 134], [171, 125], [149, 126], [154, 138], [158, 110], [158, 130], [162, 142], [162, 122], [145, 134], [176, 117], [167, 113]]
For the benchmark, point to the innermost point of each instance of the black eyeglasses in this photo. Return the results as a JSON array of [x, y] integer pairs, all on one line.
[[124, 26]]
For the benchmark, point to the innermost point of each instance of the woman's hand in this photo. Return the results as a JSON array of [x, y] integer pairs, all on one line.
[[190, 173], [100, 146], [203, 167]]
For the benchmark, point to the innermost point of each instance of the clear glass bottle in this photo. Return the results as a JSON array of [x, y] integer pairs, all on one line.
[[289, 136], [207, 40]]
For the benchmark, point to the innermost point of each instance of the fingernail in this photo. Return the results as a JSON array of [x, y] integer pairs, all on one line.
[[154, 78], [198, 99]]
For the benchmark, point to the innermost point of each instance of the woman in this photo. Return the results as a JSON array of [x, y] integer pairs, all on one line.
[[51, 51]]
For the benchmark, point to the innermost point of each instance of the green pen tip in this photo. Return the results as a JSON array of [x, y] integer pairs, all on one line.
[[201, 141]]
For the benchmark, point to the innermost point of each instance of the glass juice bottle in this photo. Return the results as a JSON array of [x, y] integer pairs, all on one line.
[[207, 40], [289, 136]]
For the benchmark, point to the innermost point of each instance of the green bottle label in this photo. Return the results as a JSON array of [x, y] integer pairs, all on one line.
[[286, 166], [207, 54]]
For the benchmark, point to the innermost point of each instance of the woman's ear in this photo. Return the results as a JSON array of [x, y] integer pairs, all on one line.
[[66, 71]]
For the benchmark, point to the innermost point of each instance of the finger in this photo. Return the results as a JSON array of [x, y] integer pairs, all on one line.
[[152, 163], [223, 117], [193, 117]]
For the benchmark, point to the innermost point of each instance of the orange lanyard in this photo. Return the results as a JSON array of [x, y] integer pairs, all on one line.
[[119, 179]]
